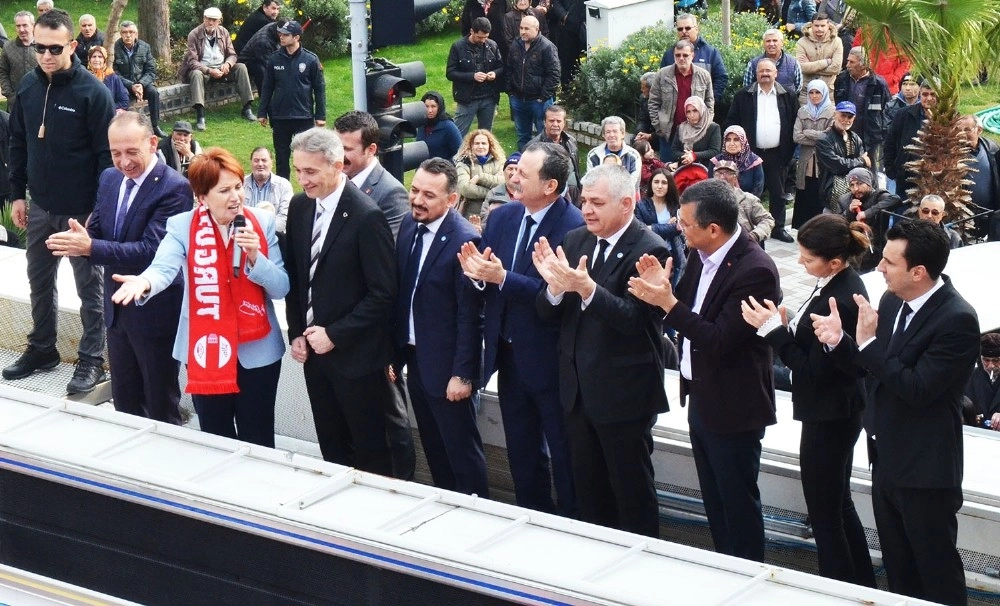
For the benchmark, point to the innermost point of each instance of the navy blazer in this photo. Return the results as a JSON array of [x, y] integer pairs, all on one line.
[[731, 367], [917, 388], [533, 340], [611, 354], [162, 195], [447, 308]]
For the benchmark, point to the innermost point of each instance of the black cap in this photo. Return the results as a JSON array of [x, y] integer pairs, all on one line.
[[183, 126], [292, 27]]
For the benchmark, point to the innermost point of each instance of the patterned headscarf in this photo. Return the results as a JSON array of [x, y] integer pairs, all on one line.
[[745, 159]]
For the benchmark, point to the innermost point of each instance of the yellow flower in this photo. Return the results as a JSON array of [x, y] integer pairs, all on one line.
[[300, 13]]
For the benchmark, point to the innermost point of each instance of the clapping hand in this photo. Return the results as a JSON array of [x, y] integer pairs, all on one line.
[[757, 315], [652, 285], [484, 266]]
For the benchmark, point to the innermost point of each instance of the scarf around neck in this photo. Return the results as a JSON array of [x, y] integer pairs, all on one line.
[[224, 310]]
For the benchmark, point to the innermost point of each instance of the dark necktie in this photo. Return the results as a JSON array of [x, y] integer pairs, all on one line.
[[123, 207], [897, 335], [413, 263], [524, 241], [602, 248]]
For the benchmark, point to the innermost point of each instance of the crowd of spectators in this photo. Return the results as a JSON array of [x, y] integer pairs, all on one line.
[[578, 284]]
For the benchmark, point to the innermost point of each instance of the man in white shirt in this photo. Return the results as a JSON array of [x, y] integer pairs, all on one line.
[[726, 369], [766, 110]]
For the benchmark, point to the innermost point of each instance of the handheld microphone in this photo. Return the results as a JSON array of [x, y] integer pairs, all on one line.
[[238, 222]]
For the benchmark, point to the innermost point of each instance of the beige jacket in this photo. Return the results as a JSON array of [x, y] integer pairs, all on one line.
[[806, 133], [821, 60]]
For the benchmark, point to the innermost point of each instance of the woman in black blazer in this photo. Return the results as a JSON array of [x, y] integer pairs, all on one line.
[[827, 399]]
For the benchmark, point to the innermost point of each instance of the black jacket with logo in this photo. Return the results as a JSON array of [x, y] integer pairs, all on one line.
[[62, 168]]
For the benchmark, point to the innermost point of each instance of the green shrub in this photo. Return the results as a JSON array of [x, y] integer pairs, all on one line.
[[608, 81], [448, 17], [327, 35]]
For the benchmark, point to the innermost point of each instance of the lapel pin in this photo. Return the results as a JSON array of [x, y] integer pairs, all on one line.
[[620, 255], [345, 214], [444, 238]]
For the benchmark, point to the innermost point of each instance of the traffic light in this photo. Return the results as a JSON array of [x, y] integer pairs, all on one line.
[[387, 85], [393, 21]]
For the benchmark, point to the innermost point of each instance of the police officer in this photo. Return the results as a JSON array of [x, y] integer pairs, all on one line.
[[294, 93]]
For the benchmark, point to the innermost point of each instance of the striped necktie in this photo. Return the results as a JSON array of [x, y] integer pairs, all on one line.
[[315, 247]]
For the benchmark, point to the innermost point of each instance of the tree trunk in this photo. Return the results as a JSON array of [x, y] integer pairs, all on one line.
[[727, 24], [111, 31], [154, 27]]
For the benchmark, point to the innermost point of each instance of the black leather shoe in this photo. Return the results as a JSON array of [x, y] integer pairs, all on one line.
[[248, 114], [85, 378], [159, 132], [30, 361], [783, 235]]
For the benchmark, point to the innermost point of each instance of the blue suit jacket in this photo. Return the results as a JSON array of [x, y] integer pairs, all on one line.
[[162, 195], [447, 308], [534, 340], [268, 272]]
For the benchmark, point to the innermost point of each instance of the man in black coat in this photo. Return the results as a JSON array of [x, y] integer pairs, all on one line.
[[267, 13], [769, 134], [905, 125], [610, 353], [870, 95], [919, 349], [342, 272], [88, 38]]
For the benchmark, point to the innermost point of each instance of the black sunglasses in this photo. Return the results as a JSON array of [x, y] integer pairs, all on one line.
[[55, 49]]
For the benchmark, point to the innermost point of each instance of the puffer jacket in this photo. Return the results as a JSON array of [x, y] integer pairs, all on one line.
[[533, 73], [490, 175], [663, 97], [812, 56]]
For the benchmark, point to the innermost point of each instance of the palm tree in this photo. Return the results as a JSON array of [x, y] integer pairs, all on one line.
[[948, 42]]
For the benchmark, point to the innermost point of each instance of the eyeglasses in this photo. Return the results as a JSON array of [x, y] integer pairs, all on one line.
[[54, 49], [930, 211], [685, 29]]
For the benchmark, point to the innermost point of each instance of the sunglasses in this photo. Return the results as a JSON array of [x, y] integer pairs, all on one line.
[[930, 211], [54, 49], [685, 29]]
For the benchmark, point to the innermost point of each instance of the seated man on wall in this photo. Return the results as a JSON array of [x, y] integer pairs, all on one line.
[[135, 65], [211, 58]]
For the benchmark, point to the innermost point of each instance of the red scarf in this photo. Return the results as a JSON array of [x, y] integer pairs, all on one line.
[[223, 310]]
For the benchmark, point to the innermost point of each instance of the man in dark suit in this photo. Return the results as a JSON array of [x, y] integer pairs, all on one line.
[[519, 345], [610, 353], [134, 201], [358, 131], [438, 330], [726, 372], [919, 348], [339, 308], [766, 111]]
